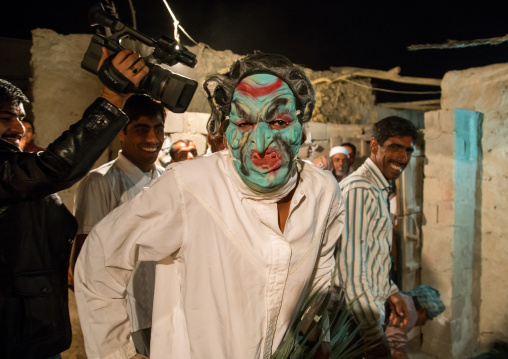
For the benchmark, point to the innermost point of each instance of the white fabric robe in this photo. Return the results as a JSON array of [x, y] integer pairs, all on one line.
[[235, 280]]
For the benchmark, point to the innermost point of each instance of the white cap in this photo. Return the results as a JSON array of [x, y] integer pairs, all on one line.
[[338, 149]]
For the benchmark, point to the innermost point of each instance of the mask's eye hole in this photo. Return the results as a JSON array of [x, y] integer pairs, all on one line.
[[245, 125]]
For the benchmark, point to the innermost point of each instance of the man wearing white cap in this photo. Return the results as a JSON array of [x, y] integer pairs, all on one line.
[[340, 160]]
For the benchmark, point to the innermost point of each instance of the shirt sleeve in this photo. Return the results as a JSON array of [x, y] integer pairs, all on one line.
[[28, 176], [94, 200], [326, 261], [150, 227], [355, 274]]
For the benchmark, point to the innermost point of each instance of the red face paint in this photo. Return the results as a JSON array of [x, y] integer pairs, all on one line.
[[267, 162], [248, 90]]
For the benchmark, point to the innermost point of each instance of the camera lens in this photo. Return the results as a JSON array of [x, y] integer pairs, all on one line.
[[173, 90]]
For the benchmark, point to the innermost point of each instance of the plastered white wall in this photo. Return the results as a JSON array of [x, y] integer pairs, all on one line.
[[485, 89], [482, 90]]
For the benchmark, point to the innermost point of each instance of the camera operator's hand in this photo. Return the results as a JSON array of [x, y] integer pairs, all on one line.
[[130, 65]]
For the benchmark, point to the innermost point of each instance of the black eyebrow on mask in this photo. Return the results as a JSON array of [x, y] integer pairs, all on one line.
[[241, 113], [274, 106]]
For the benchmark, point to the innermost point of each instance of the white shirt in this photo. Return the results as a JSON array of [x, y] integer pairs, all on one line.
[[101, 191], [364, 252], [235, 280]]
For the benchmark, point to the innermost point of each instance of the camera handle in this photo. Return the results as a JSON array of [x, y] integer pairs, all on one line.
[[114, 80], [166, 50]]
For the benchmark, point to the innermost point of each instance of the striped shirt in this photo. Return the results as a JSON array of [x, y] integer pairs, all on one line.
[[363, 255]]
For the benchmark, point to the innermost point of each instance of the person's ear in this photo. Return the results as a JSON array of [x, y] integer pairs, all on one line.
[[121, 136], [217, 144], [374, 146]]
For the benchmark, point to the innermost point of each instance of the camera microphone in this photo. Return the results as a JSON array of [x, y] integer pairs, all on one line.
[[173, 90], [97, 16]]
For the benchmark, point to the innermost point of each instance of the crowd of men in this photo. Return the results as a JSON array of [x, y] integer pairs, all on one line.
[[207, 258]]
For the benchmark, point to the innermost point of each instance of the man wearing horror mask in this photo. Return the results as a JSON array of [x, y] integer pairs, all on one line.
[[268, 225], [264, 133]]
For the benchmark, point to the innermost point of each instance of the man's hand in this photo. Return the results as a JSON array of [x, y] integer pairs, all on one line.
[[324, 351], [324, 162], [399, 316], [129, 64]]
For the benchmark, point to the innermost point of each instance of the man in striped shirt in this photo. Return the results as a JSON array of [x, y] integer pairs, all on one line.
[[364, 251]]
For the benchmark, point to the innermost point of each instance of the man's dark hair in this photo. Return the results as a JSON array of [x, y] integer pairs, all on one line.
[[142, 105], [220, 87], [172, 147], [10, 93], [353, 147], [393, 126]]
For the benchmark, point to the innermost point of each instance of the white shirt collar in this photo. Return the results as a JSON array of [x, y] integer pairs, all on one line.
[[133, 172]]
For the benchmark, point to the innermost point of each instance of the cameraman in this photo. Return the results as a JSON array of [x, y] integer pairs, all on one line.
[[37, 229]]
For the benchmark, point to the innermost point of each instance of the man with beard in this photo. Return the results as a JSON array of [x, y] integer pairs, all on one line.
[[244, 233], [364, 260], [340, 160]]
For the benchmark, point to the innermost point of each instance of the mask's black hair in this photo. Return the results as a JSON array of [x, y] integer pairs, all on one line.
[[220, 87]]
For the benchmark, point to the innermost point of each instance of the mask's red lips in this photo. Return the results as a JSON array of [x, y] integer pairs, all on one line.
[[268, 161]]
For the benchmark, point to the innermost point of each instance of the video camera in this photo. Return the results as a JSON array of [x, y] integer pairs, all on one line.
[[173, 90]]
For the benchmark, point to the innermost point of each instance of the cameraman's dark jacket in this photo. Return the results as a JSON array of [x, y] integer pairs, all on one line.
[[37, 231]]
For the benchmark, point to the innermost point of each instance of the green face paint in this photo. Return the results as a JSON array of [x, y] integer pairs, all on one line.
[[264, 133]]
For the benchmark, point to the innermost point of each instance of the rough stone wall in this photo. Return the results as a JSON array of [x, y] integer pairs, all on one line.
[[209, 62], [188, 125], [340, 101], [61, 89], [450, 264], [337, 101], [58, 99]]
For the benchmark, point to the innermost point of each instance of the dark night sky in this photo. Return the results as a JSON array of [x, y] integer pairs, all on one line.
[[317, 34]]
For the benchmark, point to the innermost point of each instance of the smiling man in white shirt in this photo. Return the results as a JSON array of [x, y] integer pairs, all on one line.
[[118, 181], [242, 234]]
